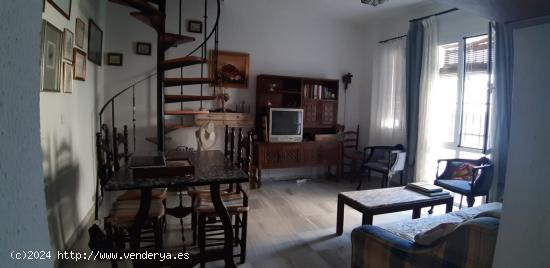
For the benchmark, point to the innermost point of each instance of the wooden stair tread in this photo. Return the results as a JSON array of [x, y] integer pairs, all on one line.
[[168, 39], [141, 5], [185, 112], [186, 98], [172, 82], [154, 20], [155, 140], [182, 62]]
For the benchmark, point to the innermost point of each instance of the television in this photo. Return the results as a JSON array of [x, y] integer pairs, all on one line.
[[286, 125]]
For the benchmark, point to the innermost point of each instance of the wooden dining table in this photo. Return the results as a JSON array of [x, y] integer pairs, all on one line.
[[211, 168]]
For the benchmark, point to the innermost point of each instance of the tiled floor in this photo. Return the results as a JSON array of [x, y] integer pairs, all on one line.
[[290, 225]]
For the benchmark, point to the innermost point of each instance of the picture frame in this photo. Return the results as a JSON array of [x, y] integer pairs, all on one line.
[[52, 49], [68, 41], [95, 42], [68, 77], [143, 48], [79, 30], [63, 6], [194, 26], [233, 69], [79, 64], [114, 59]]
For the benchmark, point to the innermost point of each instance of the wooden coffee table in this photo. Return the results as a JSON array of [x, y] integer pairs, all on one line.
[[387, 200]]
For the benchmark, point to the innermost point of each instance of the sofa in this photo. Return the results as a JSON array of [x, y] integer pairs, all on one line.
[[470, 244]]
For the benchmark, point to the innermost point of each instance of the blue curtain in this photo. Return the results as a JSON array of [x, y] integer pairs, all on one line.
[[504, 57], [413, 69]]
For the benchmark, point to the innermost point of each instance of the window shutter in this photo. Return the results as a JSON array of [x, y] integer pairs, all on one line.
[[477, 55], [450, 61]]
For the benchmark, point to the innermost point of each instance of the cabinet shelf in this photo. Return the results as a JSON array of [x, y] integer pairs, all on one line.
[[283, 92], [319, 113]]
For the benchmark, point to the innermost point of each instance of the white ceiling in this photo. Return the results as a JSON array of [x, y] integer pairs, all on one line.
[[357, 11]]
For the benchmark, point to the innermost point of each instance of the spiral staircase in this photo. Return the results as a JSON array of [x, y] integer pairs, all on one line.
[[153, 14]]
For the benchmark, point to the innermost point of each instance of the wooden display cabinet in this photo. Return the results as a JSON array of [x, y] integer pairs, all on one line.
[[319, 99]]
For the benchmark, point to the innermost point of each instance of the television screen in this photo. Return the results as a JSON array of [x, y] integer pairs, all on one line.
[[286, 122]]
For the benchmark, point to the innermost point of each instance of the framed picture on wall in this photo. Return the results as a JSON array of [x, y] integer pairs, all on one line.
[[79, 30], [63, 6], [68, 41], [114, 59], [95, 43], [52, 42], [194, 26], [68, 77], [79, 72], [143, 48], [232, 69]]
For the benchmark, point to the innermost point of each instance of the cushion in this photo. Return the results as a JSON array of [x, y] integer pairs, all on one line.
[[376, 166], [408, 229], [123, 212], [494, 213], [458, 186], [232, 202], [463, 172], [430, 236]]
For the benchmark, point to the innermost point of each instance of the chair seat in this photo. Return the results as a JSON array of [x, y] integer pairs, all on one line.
[[136, 195], [456, 185], [233, 203], [124, 212], [376, 166], [203, 191]]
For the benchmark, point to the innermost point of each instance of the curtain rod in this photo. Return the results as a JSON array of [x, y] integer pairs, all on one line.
[[413, 20], [436, 14], [391, 39]]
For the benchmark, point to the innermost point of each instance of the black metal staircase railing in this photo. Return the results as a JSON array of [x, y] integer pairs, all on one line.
[[113, 101]]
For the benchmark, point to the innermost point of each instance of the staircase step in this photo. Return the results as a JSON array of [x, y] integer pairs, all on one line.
[[186, 98], [154, 20], [171, 127], [185, 112], [181, 62], [172, 82], [155, 140], [168, 39], [141, 5]]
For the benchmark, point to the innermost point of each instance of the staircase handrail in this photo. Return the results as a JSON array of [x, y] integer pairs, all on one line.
[[218, 12]]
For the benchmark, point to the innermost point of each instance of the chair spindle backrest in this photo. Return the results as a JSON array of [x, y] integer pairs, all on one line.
[[120, 139], [104, 153], [351, 139]]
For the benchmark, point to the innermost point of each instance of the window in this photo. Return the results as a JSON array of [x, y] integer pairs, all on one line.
[[475, 101], [464, 89]]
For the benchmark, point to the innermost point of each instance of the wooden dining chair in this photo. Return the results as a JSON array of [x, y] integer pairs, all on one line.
[[120, 151], [210, 232], [122, 213], [352, 155]]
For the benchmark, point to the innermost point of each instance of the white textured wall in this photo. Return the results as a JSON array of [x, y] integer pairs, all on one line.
[[524, 239], [283, 37], [22, 203], [67, 133], [452, 27]]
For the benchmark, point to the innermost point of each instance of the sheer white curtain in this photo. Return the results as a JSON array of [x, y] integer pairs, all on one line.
[[387, 124], [429, 131]]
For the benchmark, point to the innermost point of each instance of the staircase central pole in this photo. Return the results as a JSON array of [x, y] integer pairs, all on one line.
[[160, 78]]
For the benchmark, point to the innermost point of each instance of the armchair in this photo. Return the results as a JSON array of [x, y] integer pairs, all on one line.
[[387, 160], [476, 183]]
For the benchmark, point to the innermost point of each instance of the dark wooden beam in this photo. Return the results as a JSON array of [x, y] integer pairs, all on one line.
[[503, 10]]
